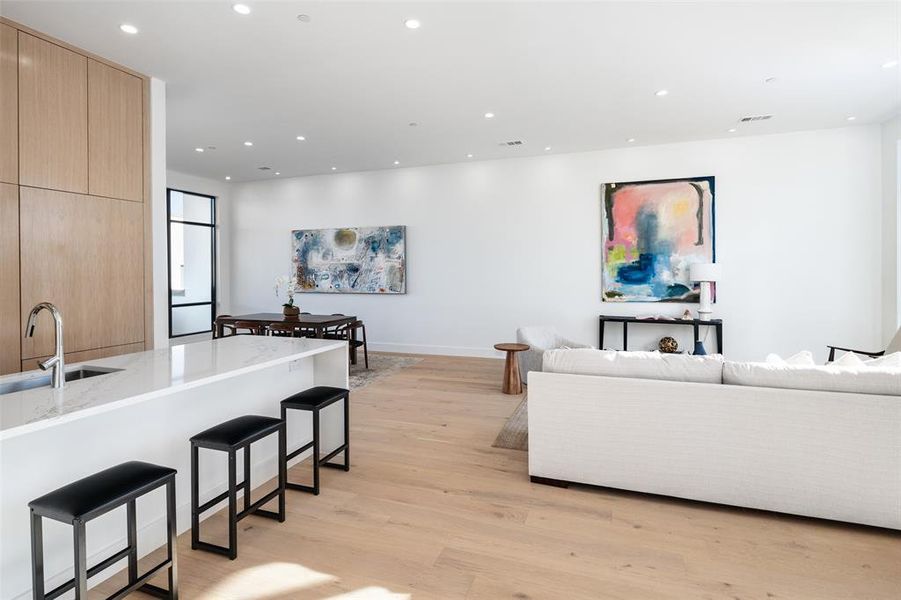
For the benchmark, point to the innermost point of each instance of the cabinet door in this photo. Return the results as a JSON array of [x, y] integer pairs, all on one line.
[[115, 133], [85, 255], [9, 279], [9, 105], [53, 116]]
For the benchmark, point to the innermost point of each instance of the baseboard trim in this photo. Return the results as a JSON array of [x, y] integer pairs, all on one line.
[[551, 482], [435, 350]]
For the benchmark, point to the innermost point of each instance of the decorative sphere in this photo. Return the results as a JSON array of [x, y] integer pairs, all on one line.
[[668, 345]]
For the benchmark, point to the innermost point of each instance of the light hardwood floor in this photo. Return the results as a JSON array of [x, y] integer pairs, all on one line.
[[431, 510]]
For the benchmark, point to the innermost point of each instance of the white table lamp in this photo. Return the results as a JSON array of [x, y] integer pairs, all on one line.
[[704, 273]]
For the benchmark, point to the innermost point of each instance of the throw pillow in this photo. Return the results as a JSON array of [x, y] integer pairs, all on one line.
[[801, 359], [889, 360], [848, 359]]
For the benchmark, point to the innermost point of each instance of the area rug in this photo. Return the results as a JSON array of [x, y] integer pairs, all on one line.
[[515, 433], [380, 366]]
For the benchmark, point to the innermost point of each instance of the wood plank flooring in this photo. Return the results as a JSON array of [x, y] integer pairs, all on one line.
[[430, 510]]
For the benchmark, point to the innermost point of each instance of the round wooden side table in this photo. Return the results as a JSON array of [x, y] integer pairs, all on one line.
[[512, 381]]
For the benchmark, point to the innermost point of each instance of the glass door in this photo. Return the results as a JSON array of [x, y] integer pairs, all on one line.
[[192, 262]]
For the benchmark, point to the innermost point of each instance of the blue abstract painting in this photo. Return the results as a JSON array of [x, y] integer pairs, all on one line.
[[653, 232], [351, 260]]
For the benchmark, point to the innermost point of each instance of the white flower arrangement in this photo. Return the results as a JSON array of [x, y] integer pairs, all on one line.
[[288, 286]]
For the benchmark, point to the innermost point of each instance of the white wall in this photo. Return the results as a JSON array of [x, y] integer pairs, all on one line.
[[158, 210], [498, 244], [161, 179], [891, 226]]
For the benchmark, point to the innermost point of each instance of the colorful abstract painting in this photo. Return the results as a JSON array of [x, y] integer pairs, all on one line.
[[353, 260], [653, 231]]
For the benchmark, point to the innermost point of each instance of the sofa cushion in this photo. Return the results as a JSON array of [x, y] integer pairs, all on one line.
[[803, 358], [889, 360], [829, 378], [640, 365]]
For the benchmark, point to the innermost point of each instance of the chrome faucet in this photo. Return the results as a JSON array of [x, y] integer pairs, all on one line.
[[57, 362]]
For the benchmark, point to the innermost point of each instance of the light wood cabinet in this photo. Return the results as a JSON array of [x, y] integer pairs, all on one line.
[[9, 104], [115, 133], [53, 116], [85, 255], [10, 324]]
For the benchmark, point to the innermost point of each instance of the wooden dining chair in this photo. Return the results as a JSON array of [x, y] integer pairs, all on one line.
[[226, 327], [249, 328], [283, 330], [344, 332]]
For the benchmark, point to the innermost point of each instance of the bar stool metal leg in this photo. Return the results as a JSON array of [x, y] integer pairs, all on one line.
[[246, 477], [347, 419], [316, 452], [171, 542], [232, 507], [195, 499], [132, 539], [282, 468], [81, 561], [37, 555]]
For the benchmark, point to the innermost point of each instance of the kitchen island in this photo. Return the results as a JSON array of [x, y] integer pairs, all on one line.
[[146, 407]]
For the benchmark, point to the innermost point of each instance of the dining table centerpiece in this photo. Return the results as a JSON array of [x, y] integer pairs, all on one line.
[[287, 286]]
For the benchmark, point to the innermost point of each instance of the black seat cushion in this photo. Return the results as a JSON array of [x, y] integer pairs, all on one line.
[[237, 432], [315, 397], [101, 492]]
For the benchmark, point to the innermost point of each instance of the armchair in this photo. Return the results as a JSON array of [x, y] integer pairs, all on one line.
[[540, 339], [893, 346]]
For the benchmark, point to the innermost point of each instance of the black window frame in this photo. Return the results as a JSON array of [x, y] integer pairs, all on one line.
[[213, 258]]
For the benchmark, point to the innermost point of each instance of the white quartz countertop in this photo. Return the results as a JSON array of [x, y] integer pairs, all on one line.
[[147, 375]]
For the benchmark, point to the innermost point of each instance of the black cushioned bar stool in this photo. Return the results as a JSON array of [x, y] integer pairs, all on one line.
[[231, 436], [314, 400], [95, 495]]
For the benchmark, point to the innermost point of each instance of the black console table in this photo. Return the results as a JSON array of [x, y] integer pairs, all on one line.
[[694, 323]]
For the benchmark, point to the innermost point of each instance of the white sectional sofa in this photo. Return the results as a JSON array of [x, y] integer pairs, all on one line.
[[671, 425]]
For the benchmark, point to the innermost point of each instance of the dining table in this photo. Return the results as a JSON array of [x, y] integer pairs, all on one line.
[[317, 324]]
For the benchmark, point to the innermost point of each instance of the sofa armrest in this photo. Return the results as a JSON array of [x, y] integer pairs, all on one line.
[[832, 350]]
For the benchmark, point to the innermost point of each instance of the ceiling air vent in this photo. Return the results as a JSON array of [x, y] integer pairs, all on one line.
[[512, 143], [264, 168], [755, 118]]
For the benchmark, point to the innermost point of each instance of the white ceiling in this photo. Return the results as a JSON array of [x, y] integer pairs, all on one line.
[[572, 76]]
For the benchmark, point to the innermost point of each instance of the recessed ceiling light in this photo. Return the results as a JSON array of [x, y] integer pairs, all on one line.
[[469, 156], [248, 143], [890, 64], [277, 173], [546, 148], [128, 28], [630, 140], [334, 168], [198, 149], [241, 9], [732, 130], [397, 162], [228, 177], [852, 118], [661, 93], [303, 18], [489, 115], [301, 138], [412, 24]]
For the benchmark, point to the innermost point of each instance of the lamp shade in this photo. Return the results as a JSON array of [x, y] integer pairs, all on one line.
[[704, 272]]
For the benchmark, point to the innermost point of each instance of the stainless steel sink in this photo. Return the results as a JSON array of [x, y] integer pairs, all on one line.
[[44, 380]]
